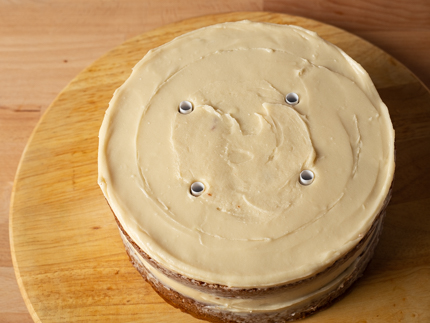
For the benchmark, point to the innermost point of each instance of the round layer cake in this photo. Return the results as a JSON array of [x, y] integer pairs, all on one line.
[[292, 152]]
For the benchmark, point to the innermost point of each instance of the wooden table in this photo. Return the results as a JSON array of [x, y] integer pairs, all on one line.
[[43, 45]]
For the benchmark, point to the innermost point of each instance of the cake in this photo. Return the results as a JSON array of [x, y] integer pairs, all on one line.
[[248, 166]]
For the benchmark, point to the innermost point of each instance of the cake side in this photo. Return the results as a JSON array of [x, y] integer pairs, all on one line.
[[201, 308]]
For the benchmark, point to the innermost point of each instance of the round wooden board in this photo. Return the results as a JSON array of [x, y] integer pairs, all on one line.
[[69, 259]]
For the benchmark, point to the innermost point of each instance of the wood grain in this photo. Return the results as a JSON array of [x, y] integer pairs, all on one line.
[[69, 259], [400, 28], [44, 44]]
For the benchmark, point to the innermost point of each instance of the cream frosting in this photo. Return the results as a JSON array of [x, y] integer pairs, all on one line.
[[255, 224]]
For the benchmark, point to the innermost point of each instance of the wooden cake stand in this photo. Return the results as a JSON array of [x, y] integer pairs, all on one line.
[[67, 252]]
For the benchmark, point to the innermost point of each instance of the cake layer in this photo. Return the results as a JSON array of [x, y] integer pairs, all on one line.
[[254, 225]]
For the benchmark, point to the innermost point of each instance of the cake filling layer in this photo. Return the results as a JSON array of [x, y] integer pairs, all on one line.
[[254, 225]]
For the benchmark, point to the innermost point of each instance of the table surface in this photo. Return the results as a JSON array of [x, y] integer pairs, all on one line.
[[44, 44]]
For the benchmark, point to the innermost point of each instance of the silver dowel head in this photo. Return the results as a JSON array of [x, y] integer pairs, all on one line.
[[197, 188], [185, 107], [292, 98], [306, 177]]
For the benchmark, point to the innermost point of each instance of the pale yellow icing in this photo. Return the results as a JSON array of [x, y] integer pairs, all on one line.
[[255, 224]]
